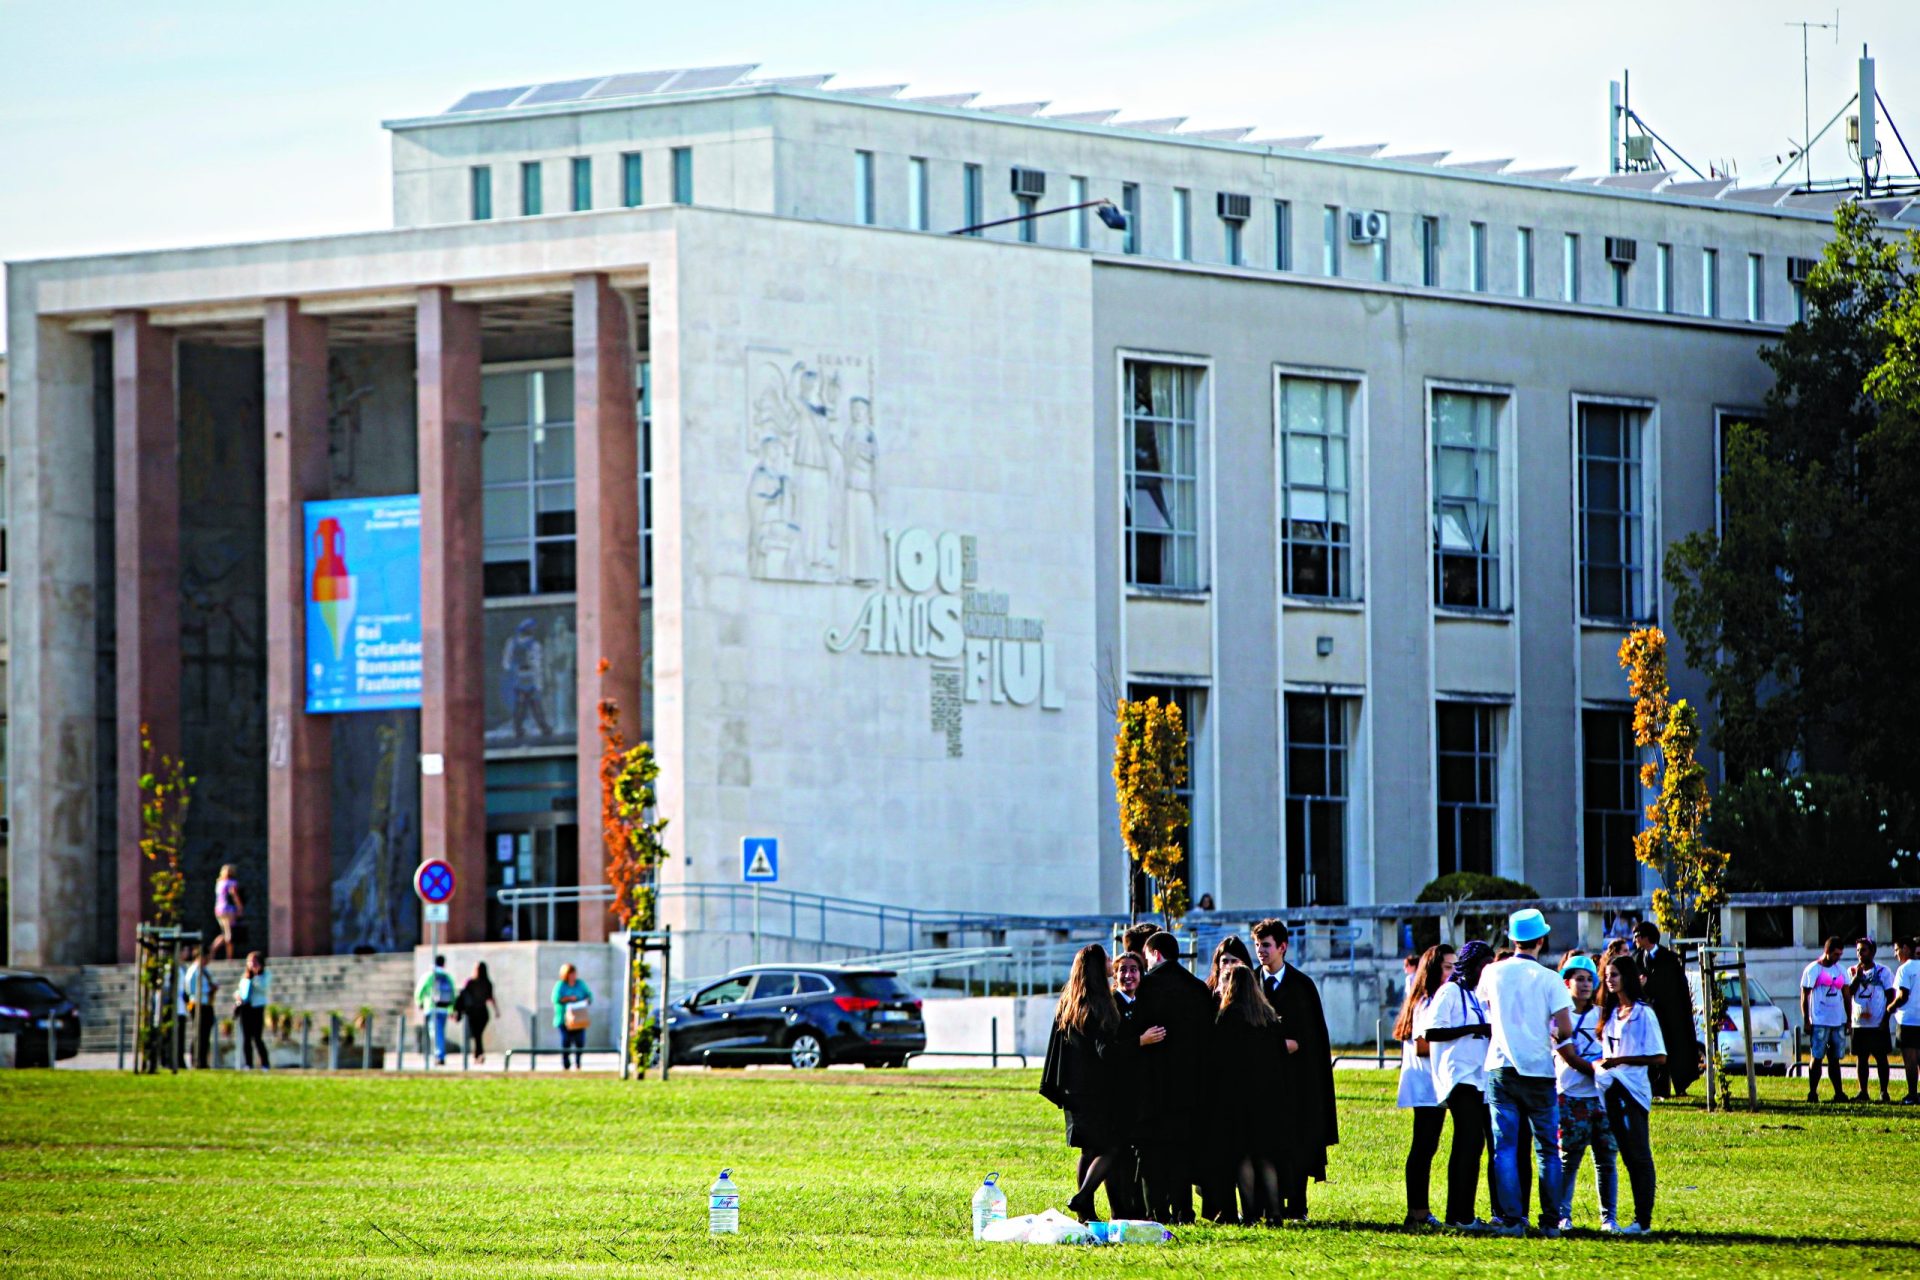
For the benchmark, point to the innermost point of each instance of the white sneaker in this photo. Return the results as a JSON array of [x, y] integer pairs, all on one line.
[[1632, 1229], [1566, 1224], [1609, 1227]]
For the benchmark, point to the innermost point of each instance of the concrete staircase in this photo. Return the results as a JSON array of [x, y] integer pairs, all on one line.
[[318, 985]]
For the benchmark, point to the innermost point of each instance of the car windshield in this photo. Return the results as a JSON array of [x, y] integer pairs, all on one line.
[[876, 986], [17, 991]]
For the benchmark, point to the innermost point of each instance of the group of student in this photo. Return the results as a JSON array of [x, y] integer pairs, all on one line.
[[1874, 1002], [1143, 1058]]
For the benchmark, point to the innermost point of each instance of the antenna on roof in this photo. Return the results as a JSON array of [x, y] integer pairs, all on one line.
[[1630, 152], [1806, 85]]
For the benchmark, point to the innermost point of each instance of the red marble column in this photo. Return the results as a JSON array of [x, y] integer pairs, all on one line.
[[453, 802], [146, 551], [607, 500], [299, 746]]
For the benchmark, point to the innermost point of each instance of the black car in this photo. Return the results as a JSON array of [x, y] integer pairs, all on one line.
[[27, 1001], [805, 1015]]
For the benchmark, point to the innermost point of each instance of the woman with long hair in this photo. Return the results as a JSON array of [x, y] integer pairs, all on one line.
[[1583, 1112], [1246, 1131], [1631, 1042], [1082, 1075], [1458, 1035], [1417, 1092], [228, 907], [1215, 1167], [472, 1004], [1229, 951]]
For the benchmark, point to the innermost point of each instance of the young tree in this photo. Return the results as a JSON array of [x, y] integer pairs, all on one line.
[[166, 789], [1149, 769], [631, 835]]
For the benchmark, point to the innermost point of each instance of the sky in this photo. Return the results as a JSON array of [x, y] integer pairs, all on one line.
[[135, 125]]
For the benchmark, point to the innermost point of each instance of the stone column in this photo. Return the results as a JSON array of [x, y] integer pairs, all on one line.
[[1806, 928], [607, 519], [453, 802], [146, 552], [299, 746], [1880, 925]]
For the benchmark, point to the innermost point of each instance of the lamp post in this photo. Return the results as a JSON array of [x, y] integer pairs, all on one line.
[[1109, 214]]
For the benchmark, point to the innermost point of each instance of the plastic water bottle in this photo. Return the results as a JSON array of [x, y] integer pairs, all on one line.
[[989, 1205], [723, 1206]]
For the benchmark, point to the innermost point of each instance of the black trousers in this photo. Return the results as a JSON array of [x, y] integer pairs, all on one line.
[[1166, 1175], [1293, 1193], [1628, 1120], [253, 1026], [1125, 1198], [1468, 1107], [202, 1035]]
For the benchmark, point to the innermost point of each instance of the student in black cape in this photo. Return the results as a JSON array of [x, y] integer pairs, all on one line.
[[1171, 1079], [1123, 1185], [1246, 1133], [1216, 1161], [1663, 983], [1303, 1094], [1083, 1073]]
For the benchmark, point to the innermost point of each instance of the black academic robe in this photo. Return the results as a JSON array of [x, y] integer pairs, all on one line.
[[1170, 1073], [1309, 1122], [1663, 984], [1079, 1079]]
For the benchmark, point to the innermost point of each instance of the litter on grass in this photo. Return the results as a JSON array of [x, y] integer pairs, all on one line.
[[1050, 1226]]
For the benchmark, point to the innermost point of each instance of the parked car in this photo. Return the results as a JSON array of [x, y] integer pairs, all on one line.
[[805, 1015], [1772, 1043], [27, 1002]]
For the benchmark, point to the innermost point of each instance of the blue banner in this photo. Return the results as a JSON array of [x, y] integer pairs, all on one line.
[[363, 603]]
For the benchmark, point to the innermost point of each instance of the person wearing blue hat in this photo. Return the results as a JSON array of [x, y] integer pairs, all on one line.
[[1583, 1112], [1530, 1012]]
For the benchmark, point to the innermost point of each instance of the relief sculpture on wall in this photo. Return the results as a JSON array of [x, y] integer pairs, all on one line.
[[813, 494]]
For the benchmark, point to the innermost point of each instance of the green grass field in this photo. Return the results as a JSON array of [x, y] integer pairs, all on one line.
[[848, 1173]]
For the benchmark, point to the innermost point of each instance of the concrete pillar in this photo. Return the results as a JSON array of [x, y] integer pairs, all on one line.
[[1588, 928], [607, 549], [146, 553], [1733, 926], [453, 801], [299, 746], [1806, 928], [1880, 923]]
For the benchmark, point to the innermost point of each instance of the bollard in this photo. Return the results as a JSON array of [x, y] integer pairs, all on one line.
[[120, 1044], [306, 1026], [400, 1042], [463, 1044], [993, 1042], [366, 1046], [533, 1042], [1379, 1043], [333, 1042], [53, 1039], [215, 1038]]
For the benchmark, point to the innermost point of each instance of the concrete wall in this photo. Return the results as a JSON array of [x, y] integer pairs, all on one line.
[[524, 975]]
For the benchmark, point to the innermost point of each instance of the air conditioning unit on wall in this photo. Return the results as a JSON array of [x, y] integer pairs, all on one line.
[[1366, 226], [1234, 207], [1798, 269], [1622, 251], [1029, 182]]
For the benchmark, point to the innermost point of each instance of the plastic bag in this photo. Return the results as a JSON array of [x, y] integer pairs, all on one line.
[[1047, 1227]]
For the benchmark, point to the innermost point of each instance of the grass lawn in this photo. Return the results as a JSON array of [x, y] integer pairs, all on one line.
[[850, 1173]]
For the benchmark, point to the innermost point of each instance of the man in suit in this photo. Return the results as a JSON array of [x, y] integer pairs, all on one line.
[[1305, 1088], [1663, 981], [1170, 1078]]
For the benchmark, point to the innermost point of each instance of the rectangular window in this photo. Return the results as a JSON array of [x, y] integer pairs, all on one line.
[[1029, 226], [1613, 554], [1430, 252], [1163, 475], [480, 192], [1466, 500], [1610, 802], [1710, 283], [973, 200], [1233, 238], [1130, 205], [1756, 297], [1477, 257], [1282, 236], [632, 190], [1570, 267], [530, 194], [643, 371], [863, 188], [683, 175], [1799, 301], [582, 183], [1619, 270], [1468, 787], [1663, 278], [1317, 790], [1078, 230], [1316, 527], [1523, 256], [1330, 241], [917, 216], [526, 468], [1183, 224]]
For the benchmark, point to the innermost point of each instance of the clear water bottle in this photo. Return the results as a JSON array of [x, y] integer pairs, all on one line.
[[989, 1205], [723, 1206]]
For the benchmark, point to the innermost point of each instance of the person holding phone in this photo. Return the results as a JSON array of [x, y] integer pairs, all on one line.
[[1417, 1092]]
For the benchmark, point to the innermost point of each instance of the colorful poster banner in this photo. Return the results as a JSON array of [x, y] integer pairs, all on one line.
[[363, 604]]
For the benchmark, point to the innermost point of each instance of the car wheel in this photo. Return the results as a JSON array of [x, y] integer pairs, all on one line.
[[805, 1052]]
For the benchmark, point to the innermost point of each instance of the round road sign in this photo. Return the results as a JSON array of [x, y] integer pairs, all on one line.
[[433, 881]]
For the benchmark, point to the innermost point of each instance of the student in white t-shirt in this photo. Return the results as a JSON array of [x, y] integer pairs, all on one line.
[[1529, 1009], [1826, 1006], [1630, 1043], [1905, 1008], [1583, 1112], [1416, 1078], [1457, 1036], [1870, 989]]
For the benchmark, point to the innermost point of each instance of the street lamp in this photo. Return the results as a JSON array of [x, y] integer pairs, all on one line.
[[1108, 212]]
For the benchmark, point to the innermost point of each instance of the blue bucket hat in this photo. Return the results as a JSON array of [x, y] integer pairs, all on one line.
[[1527, 925], [1580, 964]]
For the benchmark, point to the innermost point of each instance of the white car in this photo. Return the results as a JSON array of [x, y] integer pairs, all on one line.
[[1772, 1042]]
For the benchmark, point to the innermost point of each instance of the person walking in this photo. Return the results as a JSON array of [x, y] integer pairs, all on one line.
[[571, 1000], [1529, 1009], [1082, 1075], [1870, 989], [1246, 1132], [1663, 977], [197, 989], [1171, 1079], [1826, 1006], [1417, 1092], [250, 1009], [228, 907], [436, 995], [1303, 1093], [1632, 1045], [1905, 1009], [1458, 1034], [1584, 1124], [476, 1007]]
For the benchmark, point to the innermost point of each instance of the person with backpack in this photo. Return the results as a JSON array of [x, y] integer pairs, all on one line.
[[435, 996]]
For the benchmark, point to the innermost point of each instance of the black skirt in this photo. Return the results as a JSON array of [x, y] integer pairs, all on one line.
[[1092, 1131]]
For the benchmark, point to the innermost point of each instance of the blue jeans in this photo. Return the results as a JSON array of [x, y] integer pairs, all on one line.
[[437, 1019], [1514, 1100], [1828, 1043]]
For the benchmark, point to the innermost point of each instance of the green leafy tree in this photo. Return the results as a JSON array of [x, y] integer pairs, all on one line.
[[1149, 770], [631, 832]]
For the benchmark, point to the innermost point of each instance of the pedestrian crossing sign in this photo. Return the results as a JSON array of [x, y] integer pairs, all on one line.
[[760, 860]]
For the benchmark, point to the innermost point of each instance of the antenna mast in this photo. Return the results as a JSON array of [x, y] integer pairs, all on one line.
[[1806, 86]]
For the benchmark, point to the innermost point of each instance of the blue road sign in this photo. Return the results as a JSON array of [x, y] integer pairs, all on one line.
[[760, 860], [433, 881]]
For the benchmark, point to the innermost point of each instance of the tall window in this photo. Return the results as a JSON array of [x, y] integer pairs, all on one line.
[[1756, 296], [1282, 236], [1610, 802], [643, 372], [1663, 277], [1613, 553], [1163, 475], [863, 188], [1477, 257], [582, 171], [1570, 267], [1077, 229], [632, 191], [1029, 226], [530, 194], [1430, 252], [1466, 500], [1330, 241], [1315, 528], [1523, 257], [1236, 257], [1469, 759], [1182, 224], [683, 175], [480, 192], [1130, 205], [1317, 772], [1710, 282], [1619, 270], [526, 465], [972, 198], [917, 216]]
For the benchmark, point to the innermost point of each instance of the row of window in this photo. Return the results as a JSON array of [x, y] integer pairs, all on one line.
[[580, 184], [1162, 430]]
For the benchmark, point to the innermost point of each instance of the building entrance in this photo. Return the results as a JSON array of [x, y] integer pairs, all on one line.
[[538, 850]]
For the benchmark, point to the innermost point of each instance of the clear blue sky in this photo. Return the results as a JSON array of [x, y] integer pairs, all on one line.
[[127, 125]]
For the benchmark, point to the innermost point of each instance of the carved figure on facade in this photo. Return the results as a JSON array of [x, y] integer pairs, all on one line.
[[812, 495]]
